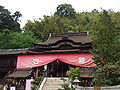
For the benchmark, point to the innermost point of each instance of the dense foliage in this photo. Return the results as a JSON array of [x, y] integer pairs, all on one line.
[[107, 75], [14, 40], [11, 35], [73, 73], [35, 83], [106, 48], [105, 40], [65, 10], [8, 21], [83, 22]]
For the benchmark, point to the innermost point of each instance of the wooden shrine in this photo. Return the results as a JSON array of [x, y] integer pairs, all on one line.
[[55, 44]]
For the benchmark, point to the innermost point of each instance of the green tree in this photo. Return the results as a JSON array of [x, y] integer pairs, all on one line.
[[83, 22], [54, 24], [107, 75], [106, 50], [74, 72], [8, 21], [16, 16], [15, 40], [65, 10], [61, 24], [36, 27], [35, 83], [105, 45]]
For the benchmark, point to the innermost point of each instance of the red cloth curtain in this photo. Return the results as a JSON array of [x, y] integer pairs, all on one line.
[[78, 59]]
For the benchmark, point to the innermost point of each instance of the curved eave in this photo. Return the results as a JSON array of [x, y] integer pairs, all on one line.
[[56, 43], [13, 51]]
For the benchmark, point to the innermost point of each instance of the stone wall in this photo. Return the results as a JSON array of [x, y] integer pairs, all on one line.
[[102, 88], [111, 88]]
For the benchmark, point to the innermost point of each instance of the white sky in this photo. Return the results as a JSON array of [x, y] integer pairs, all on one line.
[[32, 9]]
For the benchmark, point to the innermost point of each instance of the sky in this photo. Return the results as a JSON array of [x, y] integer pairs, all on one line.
[[34, 9]]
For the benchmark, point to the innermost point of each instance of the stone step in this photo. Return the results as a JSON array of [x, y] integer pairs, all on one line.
[[52, 87], [47, 88], [55, 81], [53, 84]]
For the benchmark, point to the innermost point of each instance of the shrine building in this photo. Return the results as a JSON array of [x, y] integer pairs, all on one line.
[[55, 56]]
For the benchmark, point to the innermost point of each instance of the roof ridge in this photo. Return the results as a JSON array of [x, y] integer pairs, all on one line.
[[69, 34]]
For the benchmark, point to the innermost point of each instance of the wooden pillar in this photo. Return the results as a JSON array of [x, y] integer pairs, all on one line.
[[62, 69], [36, 72]]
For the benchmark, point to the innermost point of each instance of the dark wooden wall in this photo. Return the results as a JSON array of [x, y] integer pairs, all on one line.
[[7, 63]]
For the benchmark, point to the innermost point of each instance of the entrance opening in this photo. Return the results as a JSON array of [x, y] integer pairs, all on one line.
[[58, 68]]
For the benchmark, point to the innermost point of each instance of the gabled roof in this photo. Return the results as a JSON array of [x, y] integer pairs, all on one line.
[[77, 42], [74, 37]]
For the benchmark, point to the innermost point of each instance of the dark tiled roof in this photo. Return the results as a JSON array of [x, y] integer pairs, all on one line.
[[12, 51], [66, 51], [75, 37], [82, 39], [20, 74]]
